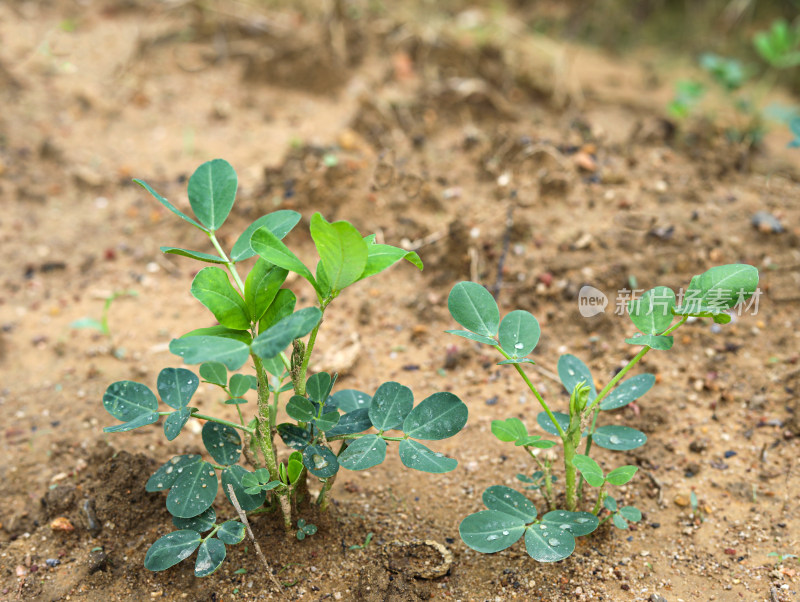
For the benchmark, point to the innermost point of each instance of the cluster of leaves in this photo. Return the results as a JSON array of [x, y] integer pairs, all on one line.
[[257, 321], [779, 48], [510, 514]]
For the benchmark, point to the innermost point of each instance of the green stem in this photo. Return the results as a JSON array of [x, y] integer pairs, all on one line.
[[359, 435], [239, 411], [601, 496], [264, 439], [533, 389], [241, 427], [300, 381], [570, 474], [548, 484], [228, 263]]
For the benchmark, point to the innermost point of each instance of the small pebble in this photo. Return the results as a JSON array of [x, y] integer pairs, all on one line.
[[766, 223], [491, 401], [730, 453], [52, 562]]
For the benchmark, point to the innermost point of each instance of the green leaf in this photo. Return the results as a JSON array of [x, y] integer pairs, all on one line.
[[510, 429], [544, 421], [193, 491], [176, 386], [222, 442], [719, 289], [610, 504], [201, 523], [390, 405], [262, 284], [659, 342], [363, 453], [652, 313], [169, 471], [571, 371], [276, 368], [472, 306], [199, 349], [535, 441], [621, 475], [509, 501], [280, 223], [212, 190], [576, 523], [437, 417], [275, 339], [176, 421], [590, 470], [618, 438], [319, 386], [619, 521], [88, 323], [415, 455], [349, 400], [327, 421], [199, 256], [300, 408], [139, 421], [170, 549], [472, 336], [380, 257], [351, 423], [239, 385], [546, 543], [210, 557], [269, 246], [213, 289], [221, 331], [631, 513], [320, 461], [490, 531], [294, 466], [233, 475], [294, 436], [280, 308], [342, 251], [169, 205], [628, 391], [519, 333], [127, 400], [516, 360], [231, 532]]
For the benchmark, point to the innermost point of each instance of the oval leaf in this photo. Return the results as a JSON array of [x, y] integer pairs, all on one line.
[[270, 247], [363, 453], [621, 475], [233, 475], [472, 306], [199, 349], [319, 386], [294, 436], [280, 223], [169, 471], [618, 438], [381, 257], [300, 408], [127, 400], [212, 190], [390, 405], [239, 384], [170, 549], [231, 532], [510, 429], [351, 423], [659, 342], [262, 284], [547, 543], [509, 501], [628, 391], [137, 422], [546, 423], [222, 442], [652, 312], [415, 455], [577, 523], [176, 386], [175, 422], [342, 251], [519, 333], [215, 373], [205, 257], [320, 461], [348, 400], [438, 417], [571, 371], [720, 288], [473, 337], [280, 308], [210, 557], [213, 289], [590, 470], [275, 339], [490, 531], [193, 491], [200, 523]]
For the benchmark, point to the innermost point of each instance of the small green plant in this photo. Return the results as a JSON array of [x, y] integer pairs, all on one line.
[[101, 325], [256, 323], [305, 529], [781, 558], [510, 514], [362, 546]]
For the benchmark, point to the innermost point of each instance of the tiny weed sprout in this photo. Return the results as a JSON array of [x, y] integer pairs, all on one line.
[[257, 323], [510, 515]]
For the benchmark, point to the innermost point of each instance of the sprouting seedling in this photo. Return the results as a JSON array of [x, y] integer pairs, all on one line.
[[305, 529], [510, 515], [101, 325], [257, 323], [779, 46], [697, 514], [687, 94], [362, 546], [781, 557]]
